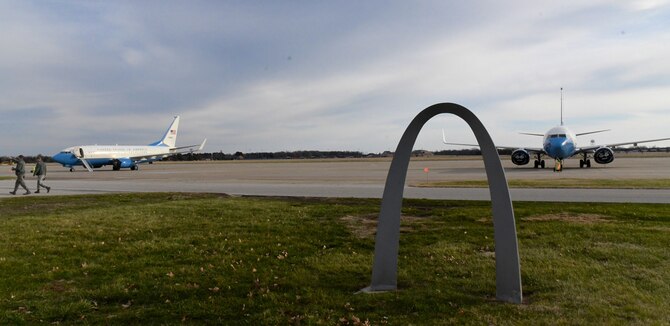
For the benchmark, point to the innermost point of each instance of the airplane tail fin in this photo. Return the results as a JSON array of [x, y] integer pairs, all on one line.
[[170, 137]]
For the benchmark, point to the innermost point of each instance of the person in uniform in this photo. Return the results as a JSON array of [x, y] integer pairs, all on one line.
[[41, 173], [20, 171]]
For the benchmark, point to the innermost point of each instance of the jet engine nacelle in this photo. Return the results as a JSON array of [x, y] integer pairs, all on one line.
[[603, 155], [520, 157], [125, 163]]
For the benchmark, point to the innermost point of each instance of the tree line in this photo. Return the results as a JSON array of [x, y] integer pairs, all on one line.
[[314, 154]]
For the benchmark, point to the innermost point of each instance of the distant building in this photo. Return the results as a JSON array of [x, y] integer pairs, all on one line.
[[422, 153]]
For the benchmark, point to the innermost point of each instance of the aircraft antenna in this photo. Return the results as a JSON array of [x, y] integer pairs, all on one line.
[[561, 106]]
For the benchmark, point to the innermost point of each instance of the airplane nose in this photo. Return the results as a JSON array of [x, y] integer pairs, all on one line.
[[57, 157], [560, 148], [61, 158], [557, 148]]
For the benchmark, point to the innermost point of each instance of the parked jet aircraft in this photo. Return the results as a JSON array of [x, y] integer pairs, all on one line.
[[560, 143], [123, 156]]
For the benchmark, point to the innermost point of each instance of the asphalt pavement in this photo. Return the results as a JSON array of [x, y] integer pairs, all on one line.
[[362, 178]]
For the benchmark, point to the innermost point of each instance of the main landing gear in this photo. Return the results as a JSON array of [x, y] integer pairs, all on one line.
[[539, 162], [585, 162]]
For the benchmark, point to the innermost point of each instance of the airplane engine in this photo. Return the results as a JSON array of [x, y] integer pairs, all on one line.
[[125, 163], [520, 157], [603, 155]]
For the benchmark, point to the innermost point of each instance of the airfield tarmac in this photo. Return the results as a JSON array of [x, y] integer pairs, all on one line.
[[361, 178]]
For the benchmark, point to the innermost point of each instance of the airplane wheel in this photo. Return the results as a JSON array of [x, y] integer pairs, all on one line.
[[588, 163], [71, 169], [134, 167], [581, 163], [535, 164], [542, 164]]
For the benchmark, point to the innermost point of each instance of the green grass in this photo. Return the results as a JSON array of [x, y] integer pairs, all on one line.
[[7, 178], [206, 259], [558, 183]]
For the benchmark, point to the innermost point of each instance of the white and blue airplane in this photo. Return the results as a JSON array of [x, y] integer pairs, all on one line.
[[125, 156], [560, 143]]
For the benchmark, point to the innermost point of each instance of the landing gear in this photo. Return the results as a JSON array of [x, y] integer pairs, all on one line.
[[134, 168], [71, 169], [116, 165], [585, 162], [559, 166], [539, 162]]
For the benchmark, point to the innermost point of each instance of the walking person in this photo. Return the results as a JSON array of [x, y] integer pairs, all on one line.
[[20, 171], [41, 173]]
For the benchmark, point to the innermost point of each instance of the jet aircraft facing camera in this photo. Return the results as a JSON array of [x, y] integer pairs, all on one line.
[[125, 156], [560, 143]]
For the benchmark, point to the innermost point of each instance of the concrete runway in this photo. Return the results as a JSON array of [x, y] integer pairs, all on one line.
[[363, 178]]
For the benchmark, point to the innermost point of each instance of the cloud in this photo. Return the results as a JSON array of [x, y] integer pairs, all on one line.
[[258, 76]]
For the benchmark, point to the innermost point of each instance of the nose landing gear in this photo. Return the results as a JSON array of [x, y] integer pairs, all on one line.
[[559, 166]]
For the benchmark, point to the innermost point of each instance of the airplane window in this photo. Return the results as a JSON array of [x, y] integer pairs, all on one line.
[[561, 135]]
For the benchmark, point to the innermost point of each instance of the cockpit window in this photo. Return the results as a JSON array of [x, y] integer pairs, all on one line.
[[557, 135]]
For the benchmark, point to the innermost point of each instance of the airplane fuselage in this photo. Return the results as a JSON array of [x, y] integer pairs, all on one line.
[[100, 155], [559, 143]]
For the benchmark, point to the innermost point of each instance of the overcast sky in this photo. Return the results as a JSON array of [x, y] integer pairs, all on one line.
[[327, 75]]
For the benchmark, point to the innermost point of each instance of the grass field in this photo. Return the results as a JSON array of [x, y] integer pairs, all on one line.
[[558, 183], [198, 258]]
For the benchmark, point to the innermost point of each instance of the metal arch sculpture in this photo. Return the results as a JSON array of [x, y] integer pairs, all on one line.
[[385, 265]]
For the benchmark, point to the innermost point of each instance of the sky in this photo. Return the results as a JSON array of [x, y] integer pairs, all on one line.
[[256, 76]]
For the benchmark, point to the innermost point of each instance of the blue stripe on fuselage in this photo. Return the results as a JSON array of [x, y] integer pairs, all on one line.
[[69, 160], [559, 147]]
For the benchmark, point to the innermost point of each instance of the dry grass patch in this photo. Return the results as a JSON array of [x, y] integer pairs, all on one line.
[[567, 217], [365, 226]]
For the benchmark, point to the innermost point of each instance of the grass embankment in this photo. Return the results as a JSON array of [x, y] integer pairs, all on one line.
[[557, 183], [173, 258], [7, 178]]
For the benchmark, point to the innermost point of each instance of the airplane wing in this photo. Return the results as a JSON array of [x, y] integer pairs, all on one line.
[[188, 149], [173, 151], [528, 149], [594, 147]]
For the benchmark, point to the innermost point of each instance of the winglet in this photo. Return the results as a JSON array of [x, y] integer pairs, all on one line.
[[202, 145]]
